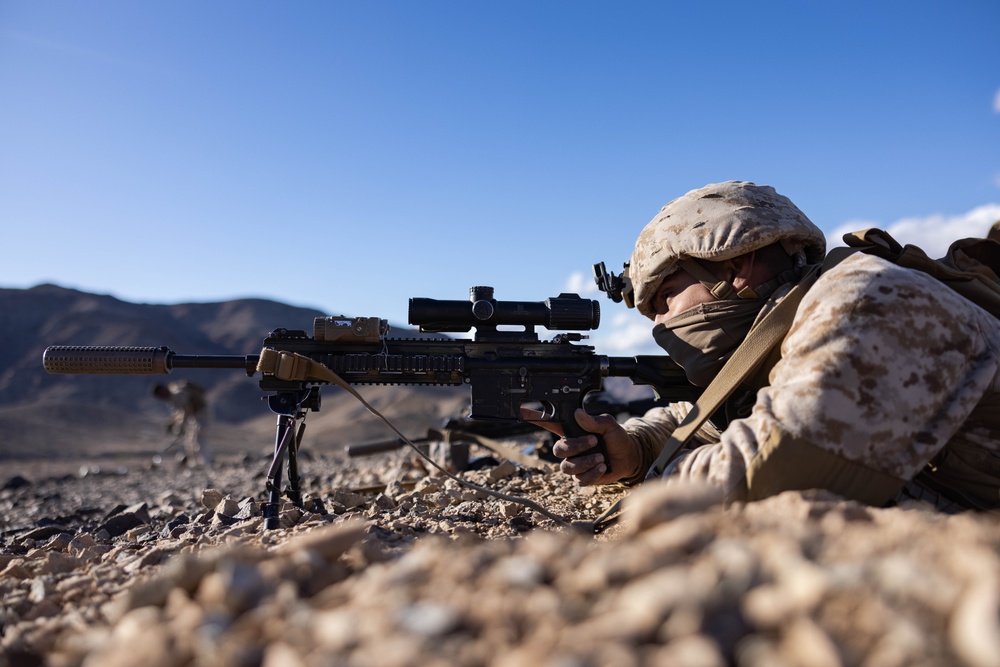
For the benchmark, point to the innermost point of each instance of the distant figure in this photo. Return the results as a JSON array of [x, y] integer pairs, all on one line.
[[187, 420]]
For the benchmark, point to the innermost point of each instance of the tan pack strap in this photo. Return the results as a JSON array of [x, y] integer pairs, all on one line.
[[770, 331], [294, 367], [875, 241]]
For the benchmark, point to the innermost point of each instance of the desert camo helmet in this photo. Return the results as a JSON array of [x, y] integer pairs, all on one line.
[[715, 223]]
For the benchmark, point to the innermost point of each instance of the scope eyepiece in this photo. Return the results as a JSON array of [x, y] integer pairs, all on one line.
[[566, 312]]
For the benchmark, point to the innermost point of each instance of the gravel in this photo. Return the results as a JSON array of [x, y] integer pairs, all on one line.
[[388, 565]]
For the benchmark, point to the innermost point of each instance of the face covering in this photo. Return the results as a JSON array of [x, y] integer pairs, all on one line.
[[702, 338]]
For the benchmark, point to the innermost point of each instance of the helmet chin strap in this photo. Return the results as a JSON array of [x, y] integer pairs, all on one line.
[[720, 289]]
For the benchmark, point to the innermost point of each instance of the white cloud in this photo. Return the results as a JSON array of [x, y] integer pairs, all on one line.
[[623, 332], [933, 233], [996, 102], [578, 283]]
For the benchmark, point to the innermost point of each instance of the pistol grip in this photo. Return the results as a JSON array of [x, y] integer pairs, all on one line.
[[573, 430]]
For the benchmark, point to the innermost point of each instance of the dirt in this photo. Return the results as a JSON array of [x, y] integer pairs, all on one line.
[[120, 561]]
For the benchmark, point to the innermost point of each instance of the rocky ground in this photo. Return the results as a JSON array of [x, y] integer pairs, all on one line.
[[123, 562]]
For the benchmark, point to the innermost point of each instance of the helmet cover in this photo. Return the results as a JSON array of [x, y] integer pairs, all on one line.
[[715, 223]]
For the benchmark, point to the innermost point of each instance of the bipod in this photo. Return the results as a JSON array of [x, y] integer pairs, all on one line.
[[291, 407]]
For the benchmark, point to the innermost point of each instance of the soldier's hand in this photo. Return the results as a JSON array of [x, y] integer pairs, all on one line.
[[591, 469]]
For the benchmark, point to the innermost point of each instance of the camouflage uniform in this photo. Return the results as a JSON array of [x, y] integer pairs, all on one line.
[[188, 416], [886, 376]]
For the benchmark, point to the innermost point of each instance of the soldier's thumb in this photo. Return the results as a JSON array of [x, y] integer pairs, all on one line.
[[600, 424]]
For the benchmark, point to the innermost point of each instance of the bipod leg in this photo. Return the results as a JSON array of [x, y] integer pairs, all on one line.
[[288, 435], [273, 505], [294, 492]]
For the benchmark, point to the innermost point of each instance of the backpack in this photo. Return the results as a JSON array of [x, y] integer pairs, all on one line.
[[962, 475], [971, 267]]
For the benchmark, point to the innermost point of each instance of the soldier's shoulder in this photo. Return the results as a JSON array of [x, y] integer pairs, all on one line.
[[864, 291], [861, 275]]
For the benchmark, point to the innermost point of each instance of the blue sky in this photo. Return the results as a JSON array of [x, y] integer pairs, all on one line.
[[349, 155]]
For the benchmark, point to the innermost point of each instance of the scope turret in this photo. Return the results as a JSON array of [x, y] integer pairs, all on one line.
[[566, 312]]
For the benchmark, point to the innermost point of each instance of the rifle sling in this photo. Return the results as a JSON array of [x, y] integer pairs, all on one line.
[[294, 367], [746, 359]]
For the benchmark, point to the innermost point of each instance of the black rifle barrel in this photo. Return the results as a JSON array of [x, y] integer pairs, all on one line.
[[119, 360]]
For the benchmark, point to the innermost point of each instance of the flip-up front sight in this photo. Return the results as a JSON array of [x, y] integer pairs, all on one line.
[[566, 312]]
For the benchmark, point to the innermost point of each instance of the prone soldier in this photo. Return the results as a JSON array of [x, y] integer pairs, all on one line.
[[886, 386]]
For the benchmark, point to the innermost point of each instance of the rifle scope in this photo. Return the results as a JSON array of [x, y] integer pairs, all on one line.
[[566, 312]]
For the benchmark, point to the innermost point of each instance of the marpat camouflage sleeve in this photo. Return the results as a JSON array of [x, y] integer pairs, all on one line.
[[650, 431]]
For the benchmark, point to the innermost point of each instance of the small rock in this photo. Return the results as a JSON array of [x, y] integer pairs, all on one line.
[[227, 506], [428, 619], [974, 630], [384, 502], [56, 562], [657, 501], [248, 509], [348, 499], [81, 542], [210, 498], [120, 524], [43, 533], [427, 486], [690, 651], [220, 519], [41, 588], [805, 643], [510, 510], [171, 499], [330, 542], [140, 510], [505, 469], [15, 482]]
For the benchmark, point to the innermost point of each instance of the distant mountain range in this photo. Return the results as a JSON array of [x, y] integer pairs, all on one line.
[[42, 413]]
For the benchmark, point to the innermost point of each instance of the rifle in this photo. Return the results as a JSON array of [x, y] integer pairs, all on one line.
[[505, 368]]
